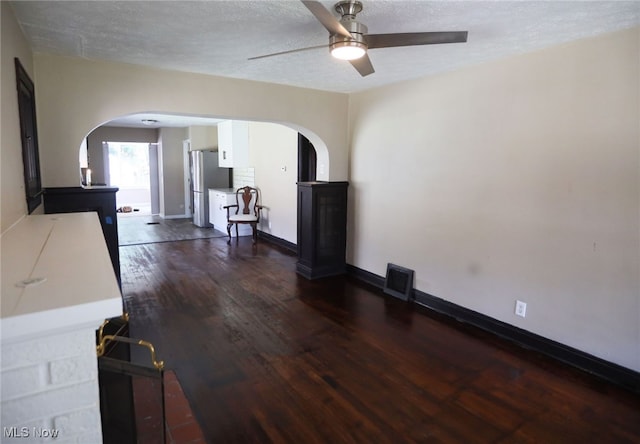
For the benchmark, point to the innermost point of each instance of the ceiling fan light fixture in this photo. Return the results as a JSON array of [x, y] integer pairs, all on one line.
[[350, 40], [348, 50]]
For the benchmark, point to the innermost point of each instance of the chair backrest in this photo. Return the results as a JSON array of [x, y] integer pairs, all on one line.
[[249, 197]]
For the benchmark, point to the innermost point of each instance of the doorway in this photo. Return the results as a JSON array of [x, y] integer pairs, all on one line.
[[132, 167], [307, 160]]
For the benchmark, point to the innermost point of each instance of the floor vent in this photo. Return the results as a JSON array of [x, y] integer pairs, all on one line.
[[398, 282]]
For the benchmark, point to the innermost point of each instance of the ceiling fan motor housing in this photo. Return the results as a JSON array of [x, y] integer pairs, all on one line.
[[348, 7], [348, 10]]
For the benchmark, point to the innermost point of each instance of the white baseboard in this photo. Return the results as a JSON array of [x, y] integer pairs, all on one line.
[[175, 216]]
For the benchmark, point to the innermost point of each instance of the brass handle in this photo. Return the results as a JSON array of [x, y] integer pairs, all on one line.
[[101, 330], [125, 318], [159, 365]]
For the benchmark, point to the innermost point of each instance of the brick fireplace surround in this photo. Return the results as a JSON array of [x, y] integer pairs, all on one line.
[[58, 285]]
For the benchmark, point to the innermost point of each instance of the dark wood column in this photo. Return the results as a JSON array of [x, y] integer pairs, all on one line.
[[322, 228]]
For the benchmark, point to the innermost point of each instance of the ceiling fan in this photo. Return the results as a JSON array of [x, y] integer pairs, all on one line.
[[348, 38]]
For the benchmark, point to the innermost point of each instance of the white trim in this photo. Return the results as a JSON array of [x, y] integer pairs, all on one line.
[[186, 147], [176, 216], [105, 163]]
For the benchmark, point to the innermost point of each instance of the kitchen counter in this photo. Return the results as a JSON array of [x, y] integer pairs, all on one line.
[[223, 190]]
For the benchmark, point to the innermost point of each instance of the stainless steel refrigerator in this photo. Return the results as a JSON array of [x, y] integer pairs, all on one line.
[[205, 174]]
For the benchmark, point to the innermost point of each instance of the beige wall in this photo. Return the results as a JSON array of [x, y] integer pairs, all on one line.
[[203, 138], [272, 147], [13, 200], [171, 171], [517, 179], [113, 134], [95, 92]]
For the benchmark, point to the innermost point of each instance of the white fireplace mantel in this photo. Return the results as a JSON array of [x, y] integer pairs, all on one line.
[[58, 285]]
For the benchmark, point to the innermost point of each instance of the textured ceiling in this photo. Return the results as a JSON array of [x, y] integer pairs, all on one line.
[[217, 37]]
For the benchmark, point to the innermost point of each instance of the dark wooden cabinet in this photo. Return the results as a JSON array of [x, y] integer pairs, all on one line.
[[322, 228], [99, 199]]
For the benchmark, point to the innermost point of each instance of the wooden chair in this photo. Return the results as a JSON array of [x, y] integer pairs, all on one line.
[[250, 214]]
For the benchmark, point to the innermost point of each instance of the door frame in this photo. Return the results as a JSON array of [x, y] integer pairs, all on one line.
[[186, 165]]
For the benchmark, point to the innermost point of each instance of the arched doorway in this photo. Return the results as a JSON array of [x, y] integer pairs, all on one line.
[[276, 168]]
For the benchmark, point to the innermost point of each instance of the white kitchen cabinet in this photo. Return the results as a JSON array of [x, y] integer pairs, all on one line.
[[217, 214], [218, 199], [233, 144]]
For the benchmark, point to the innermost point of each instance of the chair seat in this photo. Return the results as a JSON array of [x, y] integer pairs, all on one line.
[[242, 218]]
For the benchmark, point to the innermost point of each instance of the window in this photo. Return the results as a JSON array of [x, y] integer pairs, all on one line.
[[129, 164]]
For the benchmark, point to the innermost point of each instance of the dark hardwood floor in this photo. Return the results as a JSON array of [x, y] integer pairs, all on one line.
[[135, 229], [264, 355]]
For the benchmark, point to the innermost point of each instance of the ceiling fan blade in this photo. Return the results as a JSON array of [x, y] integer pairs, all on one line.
[[363, 65], [414, 38], [326, 18], [287, 52]]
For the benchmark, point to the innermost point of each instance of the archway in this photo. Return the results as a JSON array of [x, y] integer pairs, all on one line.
[[154, 120], [276, 172]]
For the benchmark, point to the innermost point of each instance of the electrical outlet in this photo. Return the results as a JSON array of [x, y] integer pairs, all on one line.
[[521, 308], [269, 224]]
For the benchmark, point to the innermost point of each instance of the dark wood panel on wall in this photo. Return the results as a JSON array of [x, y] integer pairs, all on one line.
[[322, 228], [29, 138], [101, 200]]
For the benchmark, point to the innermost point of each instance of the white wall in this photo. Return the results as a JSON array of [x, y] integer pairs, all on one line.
[[517, 179], [13, 199], [95, 92], [272, 147]]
